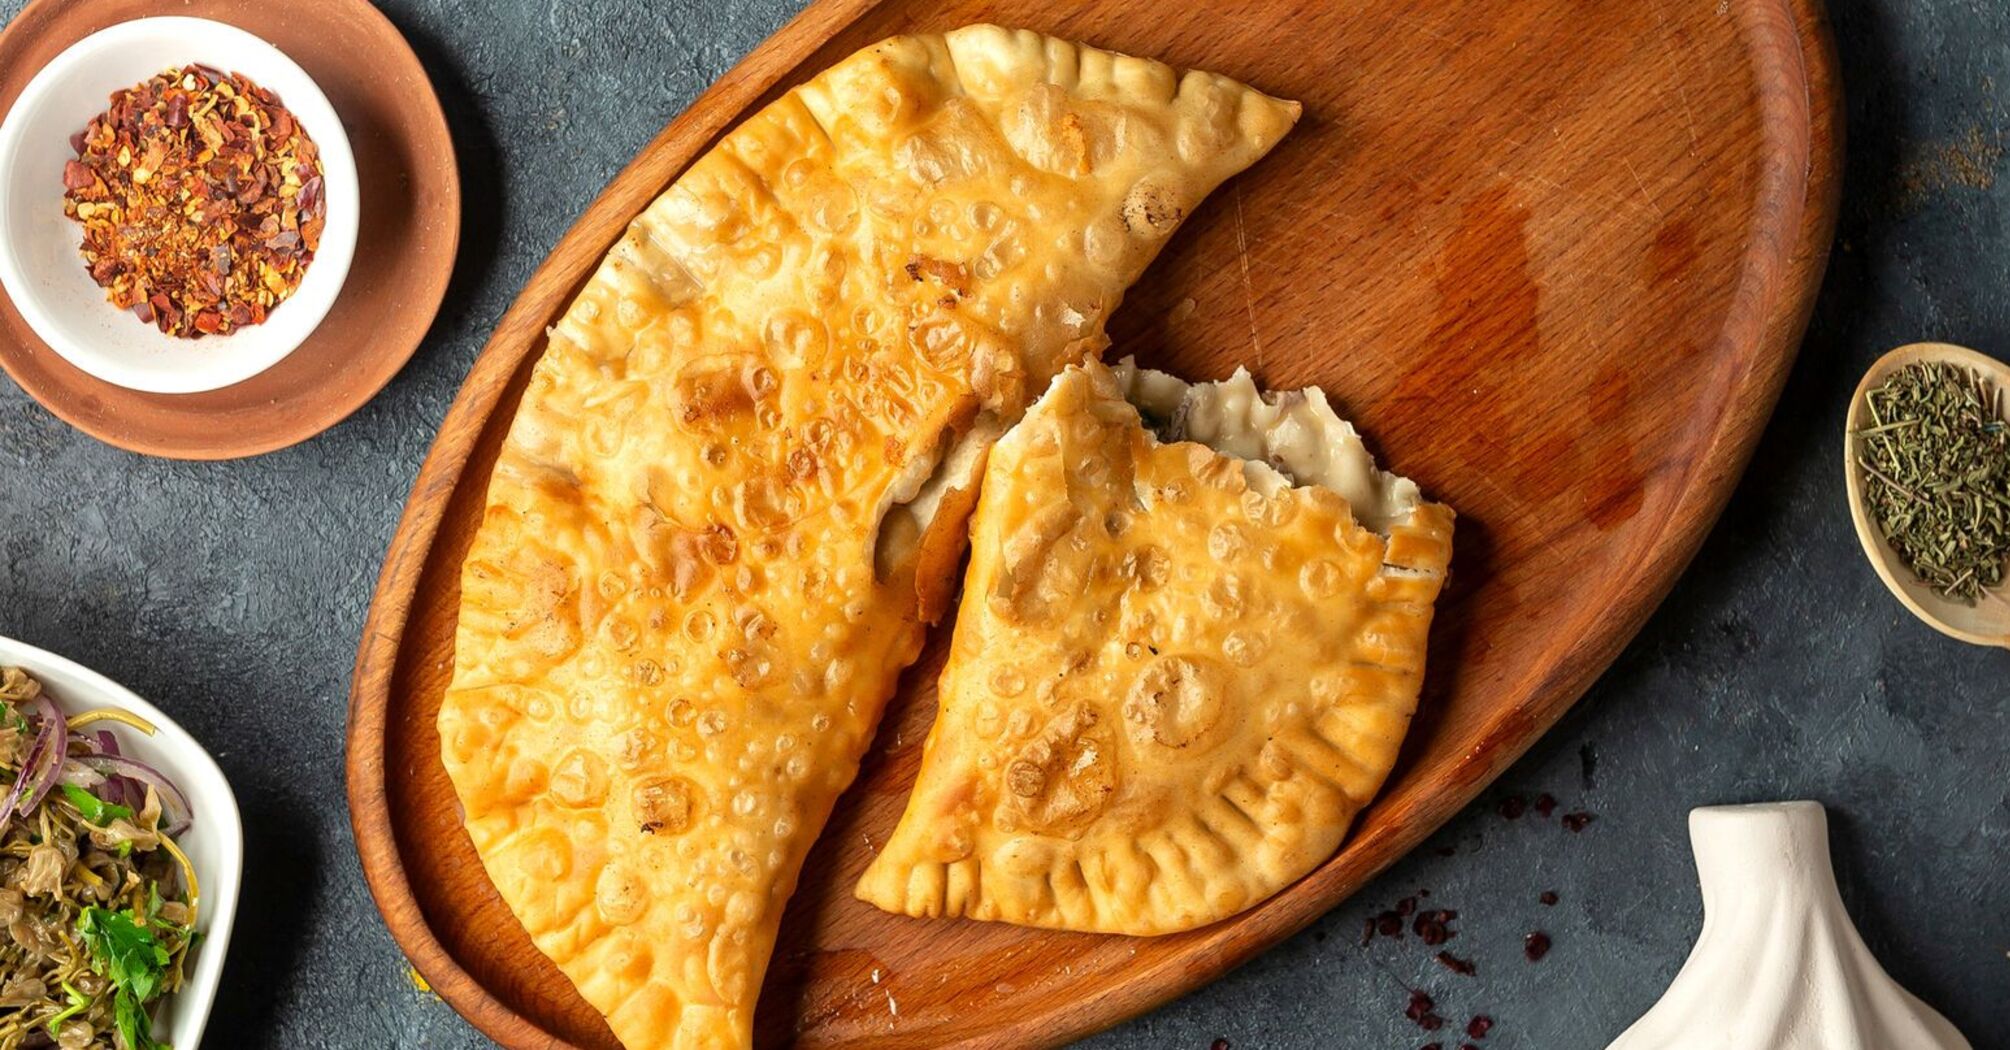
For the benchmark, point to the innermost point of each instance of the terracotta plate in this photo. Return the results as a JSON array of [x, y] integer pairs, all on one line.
[[410, 228], [1554, 256]]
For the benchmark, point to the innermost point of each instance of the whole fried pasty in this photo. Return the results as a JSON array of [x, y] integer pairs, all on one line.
[[1179, 669], [737, 484]]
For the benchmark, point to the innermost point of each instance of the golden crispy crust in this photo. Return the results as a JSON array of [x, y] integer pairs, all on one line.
[[696, 581], [1168, 693]]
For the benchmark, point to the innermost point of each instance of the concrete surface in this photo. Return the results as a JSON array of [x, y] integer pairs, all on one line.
[[232, 594]]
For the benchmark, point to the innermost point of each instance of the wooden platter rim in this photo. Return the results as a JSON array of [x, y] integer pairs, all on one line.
[[1769, 319]]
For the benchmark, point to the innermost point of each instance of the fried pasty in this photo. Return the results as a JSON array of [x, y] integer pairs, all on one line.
[[736, 487], [1180, 667]]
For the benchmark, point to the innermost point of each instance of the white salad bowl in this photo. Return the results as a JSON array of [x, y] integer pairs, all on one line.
[[214, 843], [40, 265]]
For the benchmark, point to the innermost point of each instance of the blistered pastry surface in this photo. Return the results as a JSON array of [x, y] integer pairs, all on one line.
[[1169, 692], [673, 640]]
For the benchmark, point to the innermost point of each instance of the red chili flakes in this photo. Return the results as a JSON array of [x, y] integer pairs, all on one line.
[[1422, 1011], [1512, 807], [1218, 1044], [201, 199], [1548, 898], [1433, 925], [1389, 921], [1479, 1026], [1578, 821], [1535, 946], [1545, 804], [1462, 967]]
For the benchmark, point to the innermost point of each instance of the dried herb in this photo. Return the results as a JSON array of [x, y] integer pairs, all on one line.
[[1936, 476], [201, 199]]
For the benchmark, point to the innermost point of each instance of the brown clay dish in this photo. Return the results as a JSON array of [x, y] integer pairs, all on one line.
[[1555, 257], [410, 229]]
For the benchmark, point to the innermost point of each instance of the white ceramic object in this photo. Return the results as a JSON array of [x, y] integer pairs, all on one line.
[[214, 843], [1779, 965], [39, 262]]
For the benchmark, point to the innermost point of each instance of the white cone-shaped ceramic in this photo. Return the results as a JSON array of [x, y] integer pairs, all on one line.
[[1779, 966]]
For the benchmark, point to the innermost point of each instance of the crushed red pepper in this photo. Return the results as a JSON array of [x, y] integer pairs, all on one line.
[[201, 198], [1462, 967], [1423, 1012], [1434, 926]]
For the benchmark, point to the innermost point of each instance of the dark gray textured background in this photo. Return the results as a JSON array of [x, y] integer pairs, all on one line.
[[232, 595]]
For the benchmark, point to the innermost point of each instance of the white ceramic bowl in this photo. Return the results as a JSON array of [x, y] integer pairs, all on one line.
[[214, 844], [39, 262]]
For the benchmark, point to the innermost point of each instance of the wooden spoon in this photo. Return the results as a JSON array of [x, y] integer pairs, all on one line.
[[1987, 622]]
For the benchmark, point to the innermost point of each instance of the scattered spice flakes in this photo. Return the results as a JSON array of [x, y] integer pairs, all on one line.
[[1512, 807], [1535, 946], [1218, 1044], [1548, 898], [1545, 804], [1479, 1026], [1423, 1012], [201, 199], [1462, 967], [1578, 821], [1389, 921], [1434, 926]]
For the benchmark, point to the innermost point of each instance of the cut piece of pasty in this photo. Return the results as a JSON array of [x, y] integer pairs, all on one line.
[[741, 472], [1185, 657]]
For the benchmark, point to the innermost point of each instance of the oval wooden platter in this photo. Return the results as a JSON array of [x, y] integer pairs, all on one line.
[[1555, 257]]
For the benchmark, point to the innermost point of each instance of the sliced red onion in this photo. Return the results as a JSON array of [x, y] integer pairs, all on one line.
[[50, 733], [46, 776], [119, 791], [178, 814]]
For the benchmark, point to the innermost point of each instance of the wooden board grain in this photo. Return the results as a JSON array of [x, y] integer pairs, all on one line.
[[1555, 258]]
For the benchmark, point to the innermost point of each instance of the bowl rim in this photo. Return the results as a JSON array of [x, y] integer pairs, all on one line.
[[1917, 597], [339, 242], [220, 893]]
